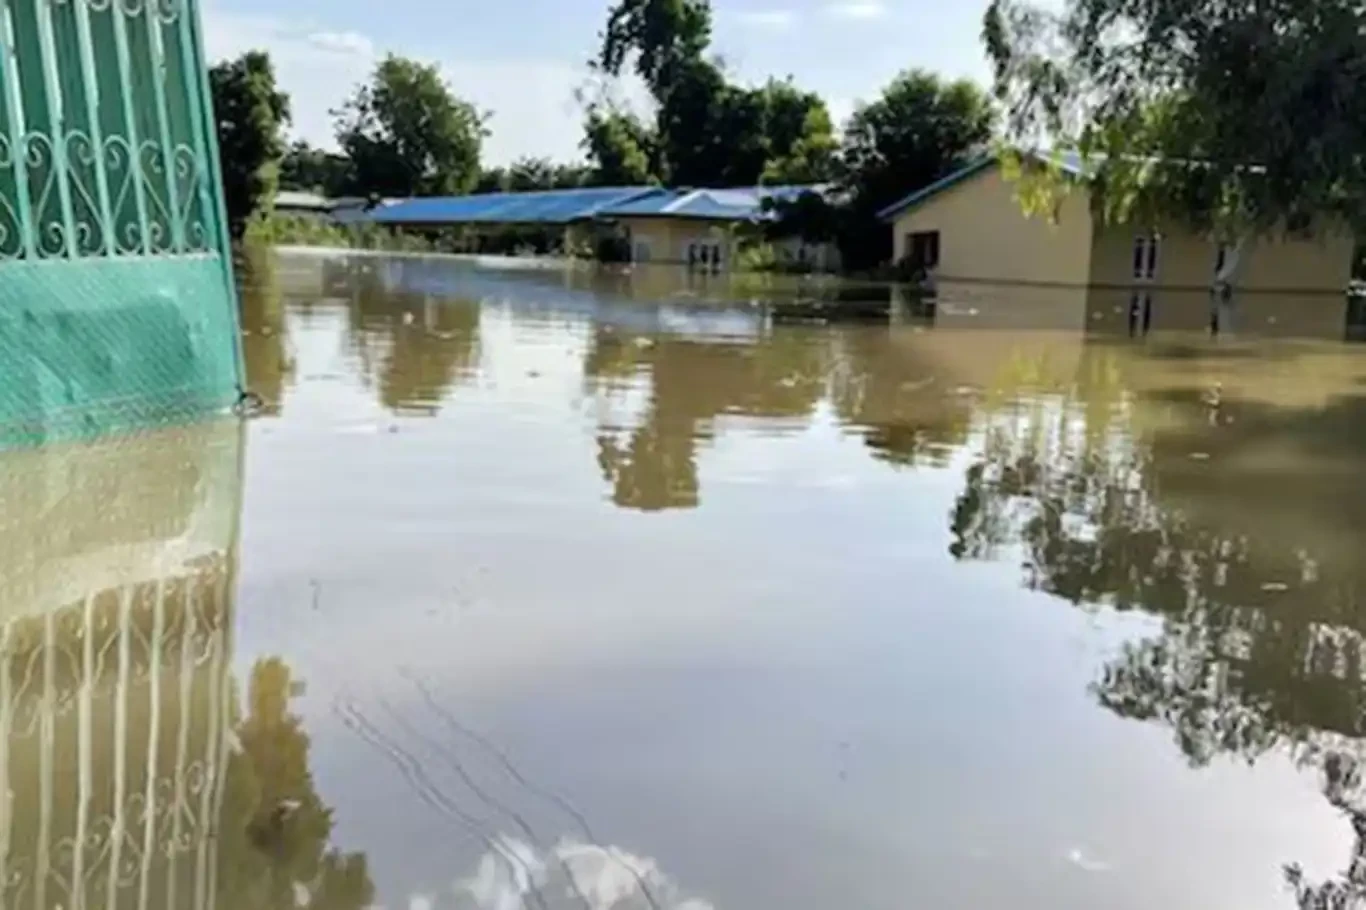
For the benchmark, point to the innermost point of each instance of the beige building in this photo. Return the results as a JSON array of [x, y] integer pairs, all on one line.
[[970, 227], [701, 228]]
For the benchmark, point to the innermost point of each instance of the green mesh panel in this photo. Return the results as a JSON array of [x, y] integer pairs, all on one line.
[[117, 307]]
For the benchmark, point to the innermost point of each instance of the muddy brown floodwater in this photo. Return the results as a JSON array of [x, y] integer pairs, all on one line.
[[533, 590]]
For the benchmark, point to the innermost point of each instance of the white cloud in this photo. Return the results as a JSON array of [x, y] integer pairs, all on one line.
[[343, 43], [571, 874], [532, 101], [857, 9], [767, 18]]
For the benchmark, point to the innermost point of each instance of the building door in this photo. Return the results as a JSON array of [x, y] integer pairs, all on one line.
[[922, 251]]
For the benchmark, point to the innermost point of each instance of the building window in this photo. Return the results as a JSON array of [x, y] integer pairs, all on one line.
[[922, 250], [1147, 248]]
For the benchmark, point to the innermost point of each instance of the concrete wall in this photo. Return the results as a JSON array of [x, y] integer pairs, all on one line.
[[668, 238], [984, 235], [1276, 263]]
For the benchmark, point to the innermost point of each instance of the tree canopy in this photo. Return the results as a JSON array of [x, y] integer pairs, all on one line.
[[920, 129], [311, 169], [250, 113], [1255, 110], [707, 131], [407, 134]]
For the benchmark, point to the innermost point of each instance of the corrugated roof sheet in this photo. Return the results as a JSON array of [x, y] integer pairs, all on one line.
[[540, 207], [1069, 162], [737, 204]]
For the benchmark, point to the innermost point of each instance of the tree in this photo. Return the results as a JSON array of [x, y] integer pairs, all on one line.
[[408, 135], [921, 129], [492, 180], [620, 148], [661, 35], [314, 170], [1267, 100], [707, 131], [251, 113], [802, 146]]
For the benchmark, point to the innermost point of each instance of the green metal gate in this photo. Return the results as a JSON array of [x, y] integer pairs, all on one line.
[[117, 307]]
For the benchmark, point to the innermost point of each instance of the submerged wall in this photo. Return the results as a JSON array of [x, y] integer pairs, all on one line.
[[117, 307]]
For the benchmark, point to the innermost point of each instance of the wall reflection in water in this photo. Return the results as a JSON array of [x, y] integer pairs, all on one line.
[[135, 775]]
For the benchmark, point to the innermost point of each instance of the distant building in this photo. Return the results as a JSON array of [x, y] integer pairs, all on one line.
[[298, 203], [969, 227], [694, 227]]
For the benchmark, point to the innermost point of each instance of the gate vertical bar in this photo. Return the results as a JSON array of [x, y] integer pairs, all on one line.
[[151, 12], [153, 740], [130, 121], [84, 757], [92, 106], [207, 124], [185, 679], [56, 110], [125, 634], [14, 116], [46, 735]]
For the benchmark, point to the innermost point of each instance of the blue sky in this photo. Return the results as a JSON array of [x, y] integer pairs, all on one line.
[[522, 59]]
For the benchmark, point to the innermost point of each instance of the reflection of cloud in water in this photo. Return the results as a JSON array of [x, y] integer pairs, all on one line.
[[515, 875]]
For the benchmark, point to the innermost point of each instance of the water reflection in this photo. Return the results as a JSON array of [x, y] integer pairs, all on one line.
[[693, 383], [413, 346], [1193, 498], [131, 775]]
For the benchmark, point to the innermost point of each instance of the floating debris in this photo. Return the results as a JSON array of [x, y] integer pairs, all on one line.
[[1199, 456], [1275, 587]]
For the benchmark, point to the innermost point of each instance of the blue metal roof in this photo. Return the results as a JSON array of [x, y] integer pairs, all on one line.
[[540, 207], [1068, 162], [737, 204]]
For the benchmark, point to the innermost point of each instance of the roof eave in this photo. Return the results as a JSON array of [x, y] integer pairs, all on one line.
[[925, 193]]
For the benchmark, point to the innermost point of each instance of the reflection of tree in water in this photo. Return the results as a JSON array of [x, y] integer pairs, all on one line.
[[1248, 554], [413, 347], [909, 417], [692, 383], [269, 366], [275, 851]]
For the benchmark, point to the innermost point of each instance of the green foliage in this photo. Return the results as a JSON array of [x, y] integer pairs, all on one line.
[[314, 170], [250, 113], [528, 174], [406, 134], [661, 35], [1255, 110], [921, 129], [620, 147], [707, 131], [299, 230]]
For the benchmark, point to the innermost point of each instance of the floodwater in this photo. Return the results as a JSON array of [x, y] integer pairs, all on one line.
[[540, 590]]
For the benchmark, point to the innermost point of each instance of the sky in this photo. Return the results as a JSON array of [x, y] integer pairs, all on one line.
[[522, 60]]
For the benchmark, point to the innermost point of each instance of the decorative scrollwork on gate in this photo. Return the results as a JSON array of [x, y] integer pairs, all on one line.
[[82, 178], [11, 228]]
